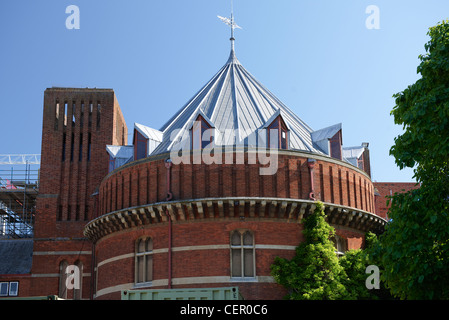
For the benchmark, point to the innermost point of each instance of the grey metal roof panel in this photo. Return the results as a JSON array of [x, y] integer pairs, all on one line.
[[16, 256], [120, 151], [148, 132], [234, 99], [353, 152], [326, 133]]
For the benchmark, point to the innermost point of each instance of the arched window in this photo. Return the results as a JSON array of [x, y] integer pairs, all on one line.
[[144, 260], [70, 278], [242, 254], [77, 293], [63, 279], [277, 134], [200, 137], [340, 245]]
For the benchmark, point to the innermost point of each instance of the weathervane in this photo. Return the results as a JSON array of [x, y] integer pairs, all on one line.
[[230, 22]]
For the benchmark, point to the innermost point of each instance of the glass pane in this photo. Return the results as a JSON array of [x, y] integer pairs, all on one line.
[[140, 269], [149, 268], [141, 245], [149, 245], [235, 238], [13, 288], [274, 138], [4, 289], [249, 266], [335, 145], [236, 263], [248, 239], [196, 136], [77, 294], [141, 146], [284, 144], [111, 163], [62, 280], [284, 140], [206, 138]]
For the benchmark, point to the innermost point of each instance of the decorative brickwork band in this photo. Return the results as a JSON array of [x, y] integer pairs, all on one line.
[[288, 210]]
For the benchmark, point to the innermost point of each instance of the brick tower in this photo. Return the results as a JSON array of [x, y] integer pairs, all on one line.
[[77, 126]]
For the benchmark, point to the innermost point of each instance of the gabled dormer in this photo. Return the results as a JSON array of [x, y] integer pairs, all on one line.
[[202, 132], [278, 132], [329, 140], [119, 155], [145, 140], [359, 157]]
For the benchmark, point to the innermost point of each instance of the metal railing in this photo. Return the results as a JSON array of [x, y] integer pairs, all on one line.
[[18, 190], [20, 158]]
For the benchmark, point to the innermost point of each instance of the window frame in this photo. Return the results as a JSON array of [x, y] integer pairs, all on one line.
[[13, 293], [111, 163], [279, 124], [148, 252], [62, 292], [340, 244], [335, 143], [139, 141], [78, 292], [201, 125], [4, 284], [242, 247]]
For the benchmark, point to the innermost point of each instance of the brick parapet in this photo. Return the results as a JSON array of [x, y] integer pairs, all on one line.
[[144, 182]]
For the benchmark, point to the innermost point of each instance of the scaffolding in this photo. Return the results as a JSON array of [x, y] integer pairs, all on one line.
[[19, 187]]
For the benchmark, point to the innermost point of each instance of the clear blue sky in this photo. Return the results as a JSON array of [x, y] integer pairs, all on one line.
[[316, 56]]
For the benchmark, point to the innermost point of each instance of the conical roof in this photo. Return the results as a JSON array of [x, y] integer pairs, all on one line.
[[235, 100]]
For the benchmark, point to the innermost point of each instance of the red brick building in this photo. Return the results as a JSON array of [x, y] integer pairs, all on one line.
[[77, 125], [209, 200], [384, 190]]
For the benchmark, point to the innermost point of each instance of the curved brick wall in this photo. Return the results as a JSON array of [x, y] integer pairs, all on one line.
[[201, 247], [200, 256], [144, 182]]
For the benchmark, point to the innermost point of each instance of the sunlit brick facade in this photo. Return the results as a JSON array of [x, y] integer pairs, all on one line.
[[130, 216]]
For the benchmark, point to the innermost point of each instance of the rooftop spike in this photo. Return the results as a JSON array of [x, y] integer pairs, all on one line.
[[233, 25]]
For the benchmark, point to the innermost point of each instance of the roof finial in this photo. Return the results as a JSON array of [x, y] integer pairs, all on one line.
[[231, 23]]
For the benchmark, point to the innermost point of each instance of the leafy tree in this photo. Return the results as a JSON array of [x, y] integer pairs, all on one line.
[[414, 249], [355, 263], [314, 273]]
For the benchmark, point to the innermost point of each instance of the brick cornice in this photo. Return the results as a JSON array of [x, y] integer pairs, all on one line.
[[240, 208]]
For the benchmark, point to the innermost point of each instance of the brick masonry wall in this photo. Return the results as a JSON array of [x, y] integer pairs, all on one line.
[[69, 177], [24, 281], [387, 189], [115, 258], [144, 182], [73, 163], [196, 263]]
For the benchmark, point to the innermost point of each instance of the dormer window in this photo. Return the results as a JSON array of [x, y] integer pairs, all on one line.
[[329, 140], [277, 134], [335, 145], [145, 140], [200, 139], [140, 145]]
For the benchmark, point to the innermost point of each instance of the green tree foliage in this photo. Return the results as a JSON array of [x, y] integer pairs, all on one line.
[[414, 249], [355, 263], [314, 273]]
